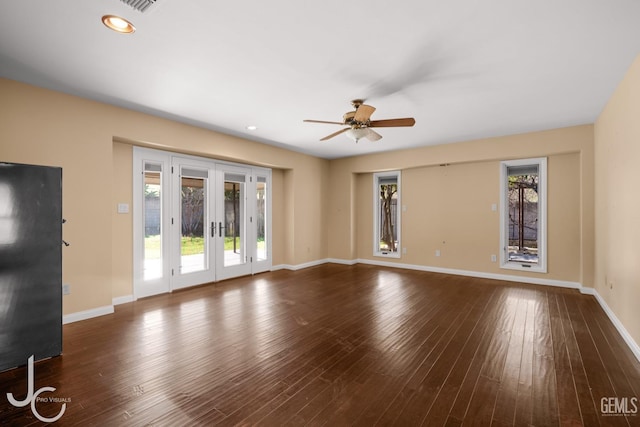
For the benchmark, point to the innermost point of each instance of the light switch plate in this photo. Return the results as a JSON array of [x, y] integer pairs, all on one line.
[[123, 208]]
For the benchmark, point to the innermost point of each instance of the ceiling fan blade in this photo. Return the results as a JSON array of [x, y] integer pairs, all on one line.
[[323, 121], [363, 112], [335, 134], [372, 135], [409, 121]]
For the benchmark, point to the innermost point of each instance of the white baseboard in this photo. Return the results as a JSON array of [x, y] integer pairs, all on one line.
[[122, 300], [299, 266], [626, 336], [342, 261], [87, 314], [479, 274], [468, 273]]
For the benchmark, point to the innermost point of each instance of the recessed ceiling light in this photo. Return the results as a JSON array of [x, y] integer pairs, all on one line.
[[118, 24], [252, 127]]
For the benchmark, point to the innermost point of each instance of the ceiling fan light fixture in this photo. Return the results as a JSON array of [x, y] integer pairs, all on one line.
[[118, 24], [357, 133]]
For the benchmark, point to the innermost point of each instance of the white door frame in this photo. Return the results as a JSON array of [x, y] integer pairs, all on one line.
[[170, 209]]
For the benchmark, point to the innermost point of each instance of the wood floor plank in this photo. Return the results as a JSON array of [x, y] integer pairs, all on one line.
[[426, 384], [432, 331], [447, 395], [595, 371], [586, 404], [545, 405], [617, 376], [505, 408], [567, 397], [483, 400], [467, 388], [524, 396], [340, 345], [402, 410], [627, 362]]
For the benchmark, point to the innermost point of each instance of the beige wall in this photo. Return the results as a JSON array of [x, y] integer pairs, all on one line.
[[44, 127], [278, 221], [448, 208], [321, 208], [437, 210], [617, 142], [122, 224]]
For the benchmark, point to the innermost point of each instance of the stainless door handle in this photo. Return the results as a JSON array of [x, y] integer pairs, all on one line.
[[213, 229], [220, 227]]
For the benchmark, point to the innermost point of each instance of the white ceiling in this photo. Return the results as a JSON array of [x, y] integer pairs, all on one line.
[[464, 69]]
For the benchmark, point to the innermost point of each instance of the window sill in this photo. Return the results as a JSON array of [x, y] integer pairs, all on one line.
[[387, 254], [524, 267]]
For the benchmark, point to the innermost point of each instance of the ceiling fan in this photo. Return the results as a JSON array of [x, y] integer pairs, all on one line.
[[359, 123]]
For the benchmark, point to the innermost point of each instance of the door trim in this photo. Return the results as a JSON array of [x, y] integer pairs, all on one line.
[[142, 288]]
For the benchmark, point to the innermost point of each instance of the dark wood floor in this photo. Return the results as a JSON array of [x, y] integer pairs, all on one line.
[[340, 345]]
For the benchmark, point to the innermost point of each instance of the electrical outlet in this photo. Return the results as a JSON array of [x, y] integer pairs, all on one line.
[[404, 250], [494, 258], [437, 252], [66, 289]]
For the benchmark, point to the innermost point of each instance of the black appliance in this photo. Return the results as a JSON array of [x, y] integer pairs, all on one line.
[[30, 263]]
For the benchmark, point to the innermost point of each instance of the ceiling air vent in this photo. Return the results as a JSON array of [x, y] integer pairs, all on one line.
[[140, 5]]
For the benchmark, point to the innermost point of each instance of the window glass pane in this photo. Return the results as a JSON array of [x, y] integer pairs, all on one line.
[[192, 241], [195, 173], [152, 222], [261, 218], [523, 214], [234, 177], [387, 238]]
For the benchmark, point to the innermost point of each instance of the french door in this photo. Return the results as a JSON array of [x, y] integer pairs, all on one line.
[[233, 257], [193, 209], [197, 221]]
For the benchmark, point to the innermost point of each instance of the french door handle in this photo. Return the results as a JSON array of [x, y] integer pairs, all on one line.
[[220, 227], [213, 229]]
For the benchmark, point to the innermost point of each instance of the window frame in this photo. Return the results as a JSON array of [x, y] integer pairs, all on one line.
[[541, 163], [376, 214]]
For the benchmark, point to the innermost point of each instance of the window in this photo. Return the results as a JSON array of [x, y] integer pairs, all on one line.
[[523, 214], [386, 196]]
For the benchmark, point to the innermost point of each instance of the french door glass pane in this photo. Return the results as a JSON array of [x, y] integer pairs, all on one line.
[[152, 222], [234, 226], [261, 218], [193, 213]]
